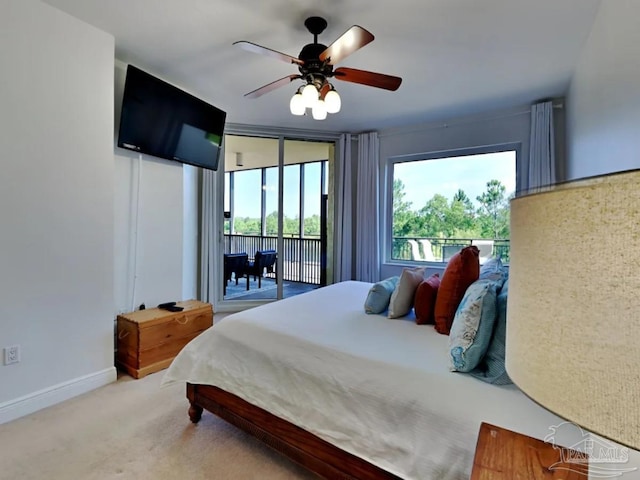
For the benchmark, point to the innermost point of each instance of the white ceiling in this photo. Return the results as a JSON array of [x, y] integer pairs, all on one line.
[[456, 57]]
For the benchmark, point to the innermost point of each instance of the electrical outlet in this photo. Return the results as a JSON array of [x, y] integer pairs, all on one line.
[[11, 354]]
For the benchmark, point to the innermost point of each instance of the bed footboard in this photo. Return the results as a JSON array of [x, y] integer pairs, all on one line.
[[302, 447]]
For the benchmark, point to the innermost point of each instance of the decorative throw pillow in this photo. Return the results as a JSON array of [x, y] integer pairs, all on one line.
[[493, 269], [462, 270], [473, 326], [492, 367], [402, 298], [425, 299], [379, 295]]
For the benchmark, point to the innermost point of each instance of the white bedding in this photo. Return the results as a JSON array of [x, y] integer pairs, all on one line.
[[378, 388]]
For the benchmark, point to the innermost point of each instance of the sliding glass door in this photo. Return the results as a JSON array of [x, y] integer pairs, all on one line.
[[276, 226]]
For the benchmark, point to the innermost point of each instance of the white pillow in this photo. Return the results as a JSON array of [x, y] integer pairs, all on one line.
[[404, 293]]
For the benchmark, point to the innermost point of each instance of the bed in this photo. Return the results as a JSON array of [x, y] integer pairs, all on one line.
[[346, 394]]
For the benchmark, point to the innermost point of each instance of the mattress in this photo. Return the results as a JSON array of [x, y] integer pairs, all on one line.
[[378, 388]]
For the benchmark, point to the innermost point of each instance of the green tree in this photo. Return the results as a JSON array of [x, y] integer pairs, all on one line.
[[312, 226], [404, 219], [434, 217], [461, 216], [246, 226], [271, 221], [494, 209]]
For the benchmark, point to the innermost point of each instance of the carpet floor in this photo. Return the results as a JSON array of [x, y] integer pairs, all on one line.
[[134, 429]]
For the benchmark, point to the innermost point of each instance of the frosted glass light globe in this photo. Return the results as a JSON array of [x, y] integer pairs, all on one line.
[[296, 105], [319, 110], [332, 101], [310, 95]]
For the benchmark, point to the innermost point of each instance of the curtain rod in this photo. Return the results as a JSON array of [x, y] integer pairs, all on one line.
[[462, 121]]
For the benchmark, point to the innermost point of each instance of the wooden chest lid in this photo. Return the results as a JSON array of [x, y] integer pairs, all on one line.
[[151, 316]]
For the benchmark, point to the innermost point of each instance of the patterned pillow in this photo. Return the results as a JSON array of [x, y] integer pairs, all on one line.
[[473, 326], [379, 295], [492, 368], [462, 270], [425, 300], [402, 298]]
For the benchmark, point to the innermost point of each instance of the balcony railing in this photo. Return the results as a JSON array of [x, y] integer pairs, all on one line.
[[442, 249], [300, 258]]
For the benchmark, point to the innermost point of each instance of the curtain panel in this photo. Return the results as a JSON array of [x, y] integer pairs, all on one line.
[[207, 238], [367, 252], [344, 215], [541, 168]]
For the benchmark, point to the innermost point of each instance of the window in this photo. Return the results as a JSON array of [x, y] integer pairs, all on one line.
[[442, 203]]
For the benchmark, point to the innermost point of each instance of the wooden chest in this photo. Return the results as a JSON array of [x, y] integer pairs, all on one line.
[[148, 340]]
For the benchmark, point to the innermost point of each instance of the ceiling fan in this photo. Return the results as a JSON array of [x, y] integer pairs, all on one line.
[[315, 64]]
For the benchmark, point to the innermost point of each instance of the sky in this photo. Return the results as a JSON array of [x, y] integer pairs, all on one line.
[[248, 182], [422, 179]]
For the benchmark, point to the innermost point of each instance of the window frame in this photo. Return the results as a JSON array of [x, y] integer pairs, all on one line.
[[387, 177]]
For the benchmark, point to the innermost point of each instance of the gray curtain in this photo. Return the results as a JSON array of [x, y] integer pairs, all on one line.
[[207, 238], [367, 252], [541, 168], [344, 209]]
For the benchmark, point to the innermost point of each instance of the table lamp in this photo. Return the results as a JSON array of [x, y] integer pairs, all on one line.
[[573, 315]]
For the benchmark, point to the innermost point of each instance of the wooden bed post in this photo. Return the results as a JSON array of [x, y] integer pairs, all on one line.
[[195, 410]]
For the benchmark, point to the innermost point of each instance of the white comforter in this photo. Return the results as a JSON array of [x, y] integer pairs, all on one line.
[[378, 388]]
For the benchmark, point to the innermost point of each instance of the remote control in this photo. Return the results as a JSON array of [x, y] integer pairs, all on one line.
[[172, 308]]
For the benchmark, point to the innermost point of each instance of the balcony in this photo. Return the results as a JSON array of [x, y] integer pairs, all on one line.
[[300, 256]]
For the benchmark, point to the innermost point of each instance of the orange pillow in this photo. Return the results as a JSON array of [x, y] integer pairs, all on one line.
[[425, 299], [462, 270]]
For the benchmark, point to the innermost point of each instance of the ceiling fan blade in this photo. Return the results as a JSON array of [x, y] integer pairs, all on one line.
[[255, 48], [379, 80], [350, 41], [324, 90], [272, 86]]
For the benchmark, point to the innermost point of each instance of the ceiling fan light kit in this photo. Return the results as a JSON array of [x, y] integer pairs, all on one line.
[[315, 64]]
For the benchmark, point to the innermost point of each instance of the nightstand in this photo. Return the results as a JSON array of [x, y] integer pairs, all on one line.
[[505, 455]]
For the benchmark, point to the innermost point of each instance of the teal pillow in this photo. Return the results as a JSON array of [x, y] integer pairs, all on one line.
[[492, 367], [473, 326], [380, 294]]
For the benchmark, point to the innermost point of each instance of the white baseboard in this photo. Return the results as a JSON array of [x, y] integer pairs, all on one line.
[[47, 397]]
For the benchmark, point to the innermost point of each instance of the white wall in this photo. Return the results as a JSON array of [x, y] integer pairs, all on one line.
[[56, 205], [604, 96], [156, 224]]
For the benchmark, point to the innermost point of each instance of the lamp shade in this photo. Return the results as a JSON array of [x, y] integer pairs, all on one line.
[[573, 316]]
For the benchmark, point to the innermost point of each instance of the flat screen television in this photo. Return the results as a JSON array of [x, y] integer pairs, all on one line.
[[161, 120]]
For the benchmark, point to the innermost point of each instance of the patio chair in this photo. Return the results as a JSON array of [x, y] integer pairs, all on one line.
[[427, 251], [485, 247], [234, 264], [264, 261], [449, 251], [415, 250]]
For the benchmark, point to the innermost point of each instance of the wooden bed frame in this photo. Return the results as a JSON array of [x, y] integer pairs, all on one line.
[[302, 447]]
